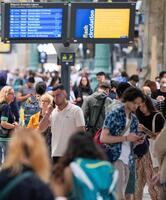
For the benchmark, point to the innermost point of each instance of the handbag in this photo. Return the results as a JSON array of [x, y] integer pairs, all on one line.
[[141, 149], [152, 142]]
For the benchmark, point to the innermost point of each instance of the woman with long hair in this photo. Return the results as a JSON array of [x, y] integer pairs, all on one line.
[[150, 124], [6, 98], [83, 90], [83, 158], [7, 119], [26, 154], [56, 80]]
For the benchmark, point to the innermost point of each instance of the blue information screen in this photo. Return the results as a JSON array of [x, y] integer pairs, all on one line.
[[99, 23], [35, 23]]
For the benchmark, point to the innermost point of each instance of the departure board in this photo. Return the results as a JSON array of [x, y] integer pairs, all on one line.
[[36, 23]]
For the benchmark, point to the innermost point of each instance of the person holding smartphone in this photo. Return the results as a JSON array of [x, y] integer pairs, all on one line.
[[118, 135], [45, 101], [146, 166]]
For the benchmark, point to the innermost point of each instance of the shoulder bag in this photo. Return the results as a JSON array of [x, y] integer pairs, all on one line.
[[152, 142]]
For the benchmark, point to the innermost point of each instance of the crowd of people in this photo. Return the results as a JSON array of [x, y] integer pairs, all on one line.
[[106, 143]]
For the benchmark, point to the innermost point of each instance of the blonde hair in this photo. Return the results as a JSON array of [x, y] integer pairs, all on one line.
[[4, 92], [48, 97], [28, 144]]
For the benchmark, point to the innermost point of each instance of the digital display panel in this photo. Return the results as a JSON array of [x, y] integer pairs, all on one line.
[[34, 22], [47, 23], [102, 22], [94, 20]]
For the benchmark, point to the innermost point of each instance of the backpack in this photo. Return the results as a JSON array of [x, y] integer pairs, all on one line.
[[31, 106], [91, 130], [93, 179]]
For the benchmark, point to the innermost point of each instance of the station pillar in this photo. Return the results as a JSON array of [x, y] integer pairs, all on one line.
[[102, 61], [33, 63]]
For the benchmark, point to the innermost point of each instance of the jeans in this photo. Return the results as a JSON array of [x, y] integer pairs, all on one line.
[[3, 146]]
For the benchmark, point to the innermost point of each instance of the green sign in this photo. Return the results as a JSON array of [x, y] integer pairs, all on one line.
[[67, 58]]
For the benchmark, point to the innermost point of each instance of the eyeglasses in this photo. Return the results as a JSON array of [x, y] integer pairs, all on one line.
[[45, 101]]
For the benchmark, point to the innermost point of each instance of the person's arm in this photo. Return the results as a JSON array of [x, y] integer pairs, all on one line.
[[107, 138], [20, 97], [86, 108], [81, 129], [62, 188], [80, 121], [44, 123], [110, 124], [7, 125]]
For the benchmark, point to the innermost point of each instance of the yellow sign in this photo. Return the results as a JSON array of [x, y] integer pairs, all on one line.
[[4, 48], [67, 58], [111, 23]]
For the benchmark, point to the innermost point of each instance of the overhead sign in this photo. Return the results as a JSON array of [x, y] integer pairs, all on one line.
[[67, 59], [34, 22], [103, 22], [68, 22]]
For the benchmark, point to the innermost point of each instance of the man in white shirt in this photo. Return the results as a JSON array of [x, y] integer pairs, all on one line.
[[65, 120]]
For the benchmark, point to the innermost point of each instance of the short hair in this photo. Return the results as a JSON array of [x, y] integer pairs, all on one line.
[[162, 79], [122, 88], [31, 79], [114, 84], [100, 74], [161, 74], [47, 97], [131, 94], [134, 77], [58, 87], [41, 87]]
